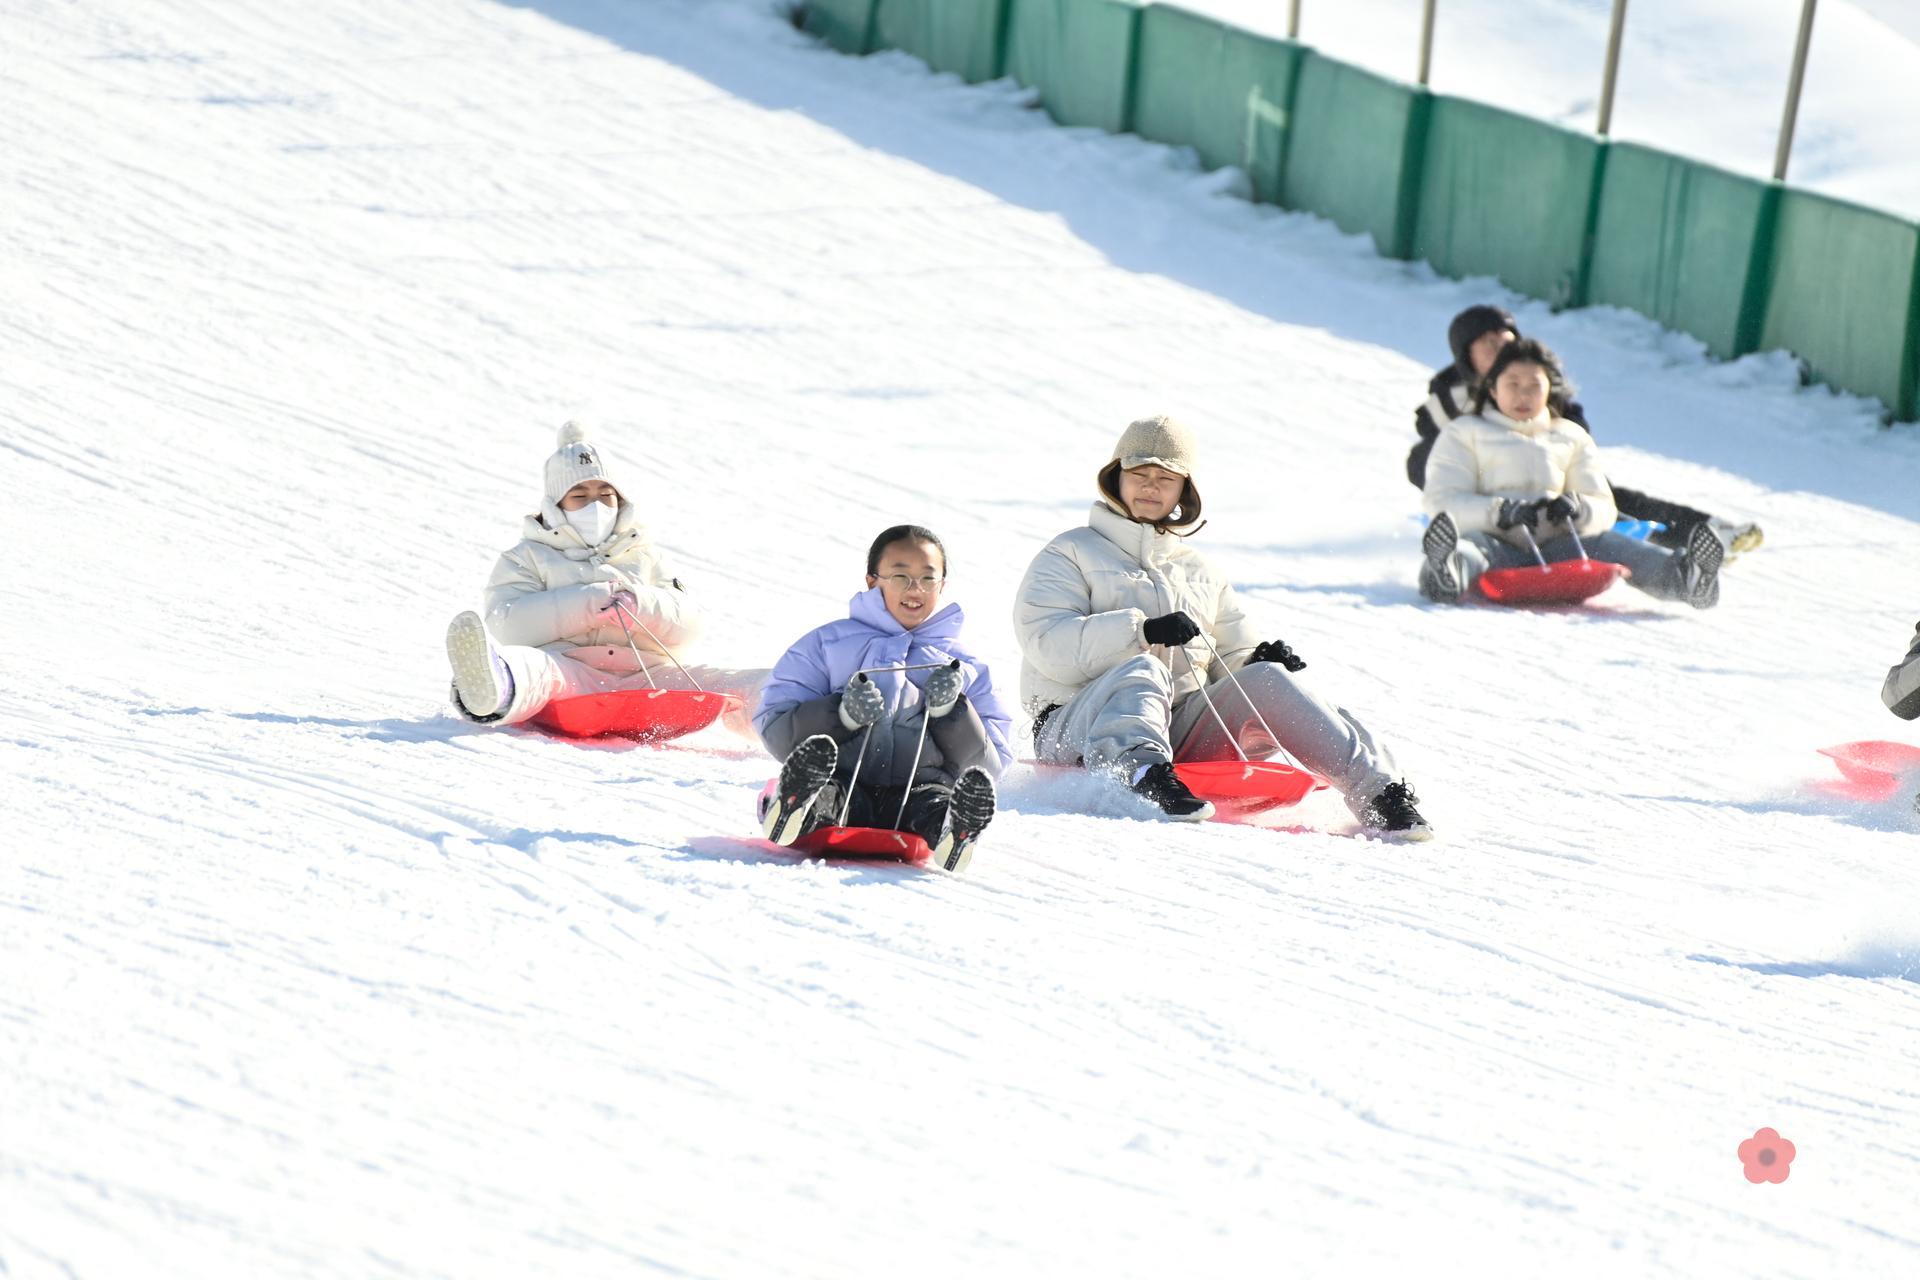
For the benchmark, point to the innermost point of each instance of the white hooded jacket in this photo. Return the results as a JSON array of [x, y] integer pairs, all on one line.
[[1089, 592], [1482, 459], [549, 592]]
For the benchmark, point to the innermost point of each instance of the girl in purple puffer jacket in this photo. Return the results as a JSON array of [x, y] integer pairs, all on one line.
[[926, 741]]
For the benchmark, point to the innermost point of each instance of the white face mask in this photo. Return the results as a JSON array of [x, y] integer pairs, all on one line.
[[593, 522]]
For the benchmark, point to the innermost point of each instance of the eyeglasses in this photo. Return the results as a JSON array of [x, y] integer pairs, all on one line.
[[901, 582]]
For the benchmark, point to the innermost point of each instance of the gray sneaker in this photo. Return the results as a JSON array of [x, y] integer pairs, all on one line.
[[1698, 567], [1443, 578]]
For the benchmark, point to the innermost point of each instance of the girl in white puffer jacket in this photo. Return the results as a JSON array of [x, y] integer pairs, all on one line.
[[1120, 621], [1511, 470], [556, 603]]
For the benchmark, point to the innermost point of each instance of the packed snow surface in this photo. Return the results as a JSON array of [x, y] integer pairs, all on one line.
[[305, 976], [1703, 78]]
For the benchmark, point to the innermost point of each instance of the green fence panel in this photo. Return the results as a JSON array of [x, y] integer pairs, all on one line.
[[847, 25], [1509, 196], [1079, 55], [1353, 150], [1225, 92], [1684, 243], [1841, 295], [961, 36]]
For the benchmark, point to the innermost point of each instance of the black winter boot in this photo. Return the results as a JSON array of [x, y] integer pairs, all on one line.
[[1392, 813]]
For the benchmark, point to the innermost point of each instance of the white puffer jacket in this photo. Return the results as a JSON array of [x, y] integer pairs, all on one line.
[[1088, 593], [1483, 458], [548, 592]]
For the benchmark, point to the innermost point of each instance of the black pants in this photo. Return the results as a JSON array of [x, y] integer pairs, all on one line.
[[1678, 517], [926, 814]]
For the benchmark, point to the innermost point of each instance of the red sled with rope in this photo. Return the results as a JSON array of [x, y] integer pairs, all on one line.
[[648, 715]]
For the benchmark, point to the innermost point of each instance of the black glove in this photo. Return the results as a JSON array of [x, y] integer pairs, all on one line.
[[1174, 628], [1515, 511], [1277, 651], [1560, 510]]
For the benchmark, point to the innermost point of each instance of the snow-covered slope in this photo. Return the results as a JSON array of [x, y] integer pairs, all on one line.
[[1704, 78], [303, 976]]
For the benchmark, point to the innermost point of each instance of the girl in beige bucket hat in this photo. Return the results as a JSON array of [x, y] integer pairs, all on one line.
[[1109, 618]]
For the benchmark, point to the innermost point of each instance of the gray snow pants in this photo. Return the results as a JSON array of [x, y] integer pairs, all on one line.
[[1127, 718], [1651, 568]]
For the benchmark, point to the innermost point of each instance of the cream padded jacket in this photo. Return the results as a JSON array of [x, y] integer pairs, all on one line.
[[1483, 458], [549, 590], [1088, 593]]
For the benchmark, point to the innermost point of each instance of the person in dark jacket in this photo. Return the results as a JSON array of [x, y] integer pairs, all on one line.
[[1475, 337]]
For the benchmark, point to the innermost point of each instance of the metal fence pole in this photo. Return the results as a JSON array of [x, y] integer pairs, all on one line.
[[1612, 74], [1793, 92], [1426, 41], [1293, 20]]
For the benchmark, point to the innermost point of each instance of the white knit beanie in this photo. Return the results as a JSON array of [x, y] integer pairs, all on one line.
[[575, 460]]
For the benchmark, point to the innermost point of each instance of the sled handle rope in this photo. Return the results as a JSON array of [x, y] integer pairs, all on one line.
[[1578, 545], [1201, 679], [620, 608]]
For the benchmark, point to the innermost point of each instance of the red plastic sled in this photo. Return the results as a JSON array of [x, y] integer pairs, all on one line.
[[1873, 770], [1562, 582], [645, 715], [864, 842], [1240, 789]]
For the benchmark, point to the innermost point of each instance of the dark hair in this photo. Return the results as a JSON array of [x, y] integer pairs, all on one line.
[[1526, 351], [904, 533], [1184, 519], [1469, 327]]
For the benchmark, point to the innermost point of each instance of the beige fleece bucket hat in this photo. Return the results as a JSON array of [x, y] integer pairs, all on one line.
[[1159, 441]]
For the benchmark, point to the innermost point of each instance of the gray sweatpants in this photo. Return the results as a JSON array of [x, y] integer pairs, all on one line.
[[1650, 567], [1127, 718]]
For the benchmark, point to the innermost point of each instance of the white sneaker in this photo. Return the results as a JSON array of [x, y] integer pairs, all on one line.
[[481, 682]]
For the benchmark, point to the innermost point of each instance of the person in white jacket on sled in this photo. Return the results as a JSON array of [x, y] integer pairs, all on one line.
[[1122, 621], [583, 604]]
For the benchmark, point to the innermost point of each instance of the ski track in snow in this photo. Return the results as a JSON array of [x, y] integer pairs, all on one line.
[[308, 977]]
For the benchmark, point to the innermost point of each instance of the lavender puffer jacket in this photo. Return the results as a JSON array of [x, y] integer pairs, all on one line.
[[802, 697]]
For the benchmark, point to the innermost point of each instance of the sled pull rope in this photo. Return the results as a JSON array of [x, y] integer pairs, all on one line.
[[620, 608], [628, 632], [1201, 678], [846, 802], [926, 718], [1535, 547], [1207, 698]]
